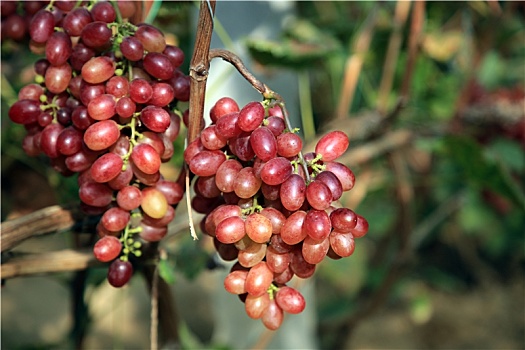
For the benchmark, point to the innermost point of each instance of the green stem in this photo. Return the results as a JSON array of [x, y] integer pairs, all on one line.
[[305, 103], [117, 11], [154, 10]]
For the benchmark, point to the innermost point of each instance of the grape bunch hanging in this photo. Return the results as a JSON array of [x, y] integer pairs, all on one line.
[[104, 105], [268, 207]]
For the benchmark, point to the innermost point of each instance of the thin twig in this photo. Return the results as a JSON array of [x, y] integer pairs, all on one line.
[[416, 28], [233, 59], [154, 316], [49, 262], [50, 219], [354, 64], [392, 54]]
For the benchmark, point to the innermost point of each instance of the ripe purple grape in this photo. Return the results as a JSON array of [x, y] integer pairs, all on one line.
[[119, 273], [332, 145], [107, 248]]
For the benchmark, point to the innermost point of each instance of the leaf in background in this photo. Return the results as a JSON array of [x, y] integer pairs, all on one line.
[[166, 271], [301, 47], [482, 171], [190, 258]]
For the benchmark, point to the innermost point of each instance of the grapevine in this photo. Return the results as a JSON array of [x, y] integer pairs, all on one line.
[[105, 106]]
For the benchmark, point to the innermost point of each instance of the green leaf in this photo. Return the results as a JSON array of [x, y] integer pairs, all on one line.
[[303, 45], [166, 271], [480, 170]]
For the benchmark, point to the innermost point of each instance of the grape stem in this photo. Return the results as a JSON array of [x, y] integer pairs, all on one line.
[[117, 11]]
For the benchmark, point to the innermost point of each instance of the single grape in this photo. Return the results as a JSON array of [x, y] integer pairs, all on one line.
[[96, 34], [81, 160], [289, 145], [146, 158], [162, 94], [95, 194], [151, 38], [317, 224], [333, 183], [155, 118], [206, 163], [103, 11], [252, 255], [98, 69], [259, 279], [227, 125], [42, 26], [361, 227], [222, 107], [106, 168], [293, 192], [241, 147], [211, 139], [276, 171], [24, 111], [76, 20], [318, 195], [276, 126], [273, 315], [342, 243], [152, 233], [230, 230], [131, 48], [125, 107], [276, 218], [300, 267], [117, 86], [277, 262], [175, 54], [235, 282], [246, 184], [154, 203], [292, 231], [49, 138], [173, 191], [58, 48], [343, 173], [343, 220], [256, 305], [119, 273], [206, 187], [332, 145], [251, 116], [89, 91], [158, 65], [57, 78], [314, 250], [129, 197], [258, 228], [102, 107], [140, 91], [69, 141], [107, 248], [115, 219], [101, 135], [263, 143], [290, 300]]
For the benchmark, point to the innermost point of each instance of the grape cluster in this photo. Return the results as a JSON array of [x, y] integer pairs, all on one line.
[[104, 105], [267, 206]]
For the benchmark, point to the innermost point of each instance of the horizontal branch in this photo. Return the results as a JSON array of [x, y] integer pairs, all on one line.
[[49, 219], [49, 262]]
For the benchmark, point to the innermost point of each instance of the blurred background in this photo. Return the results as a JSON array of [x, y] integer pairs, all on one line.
[[432, 96]]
